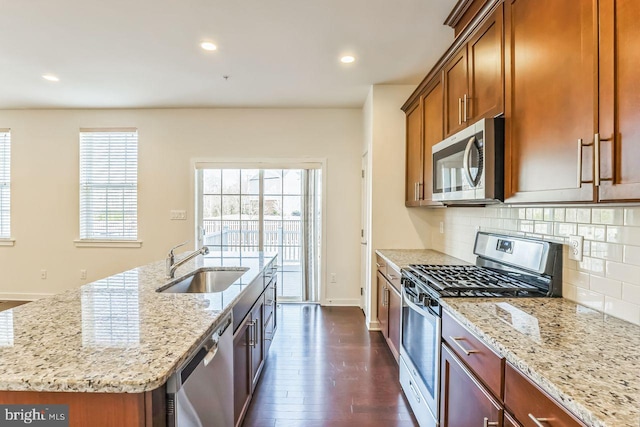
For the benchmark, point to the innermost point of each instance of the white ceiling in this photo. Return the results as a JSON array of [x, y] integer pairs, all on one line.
[[145, 53]]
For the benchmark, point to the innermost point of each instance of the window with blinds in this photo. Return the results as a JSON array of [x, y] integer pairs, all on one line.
[[5, 183], [109, 184]]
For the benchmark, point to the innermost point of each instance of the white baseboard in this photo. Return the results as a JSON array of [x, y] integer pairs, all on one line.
[[347, 302], [8, 296], [373, 325]]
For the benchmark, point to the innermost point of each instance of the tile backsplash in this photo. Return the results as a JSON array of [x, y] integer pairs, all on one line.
[[608, 277]]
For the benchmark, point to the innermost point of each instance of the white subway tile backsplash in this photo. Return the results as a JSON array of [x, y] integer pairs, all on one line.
[[583, 215], [632, 255], [608, 278], [622, 309], [623, 272], [632, 216], [631, 293], [576, 278], [590, 299], [602, 285], [626, 235], [607, 216], [548, 214], [608, 251]]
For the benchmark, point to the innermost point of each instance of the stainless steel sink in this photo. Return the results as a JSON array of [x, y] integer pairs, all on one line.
[[207, 280]]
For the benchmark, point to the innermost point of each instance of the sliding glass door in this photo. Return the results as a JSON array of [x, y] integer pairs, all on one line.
[[248, 210]]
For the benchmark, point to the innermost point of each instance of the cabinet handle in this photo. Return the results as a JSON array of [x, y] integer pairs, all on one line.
[[487, 423], [580, 145], [467, 352], [459, 111], [537, 421], [252, 341], [596, 160], [419, 192], [464, 108], [415, 392]]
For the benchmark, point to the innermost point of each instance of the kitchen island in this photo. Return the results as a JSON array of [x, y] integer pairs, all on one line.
[[109, 347]]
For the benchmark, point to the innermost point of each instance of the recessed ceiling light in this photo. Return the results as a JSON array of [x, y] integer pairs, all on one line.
[[348, 59], [50, 77], [208, 46]]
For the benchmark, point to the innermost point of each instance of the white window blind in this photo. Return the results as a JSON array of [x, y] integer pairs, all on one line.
[[109, 184], [5, 183]]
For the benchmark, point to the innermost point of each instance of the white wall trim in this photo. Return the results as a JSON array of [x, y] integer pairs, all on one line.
[[7, 242], [8, 296], [373, 326], [92, 243], [338, 302]]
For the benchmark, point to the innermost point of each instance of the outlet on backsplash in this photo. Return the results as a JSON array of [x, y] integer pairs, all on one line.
[[576, 246]]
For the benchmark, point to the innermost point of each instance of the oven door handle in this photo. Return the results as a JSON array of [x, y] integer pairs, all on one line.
[[424, 311], [465, 162]]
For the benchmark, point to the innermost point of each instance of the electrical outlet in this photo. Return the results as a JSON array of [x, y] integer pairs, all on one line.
[[178, 215], [83, 274], [441, 227], [43, 274], [576, 246], [333, 278]]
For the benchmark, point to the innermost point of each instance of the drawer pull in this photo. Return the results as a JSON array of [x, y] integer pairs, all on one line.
[[487, 423], [538, 421], [379, 266], [467, 352]]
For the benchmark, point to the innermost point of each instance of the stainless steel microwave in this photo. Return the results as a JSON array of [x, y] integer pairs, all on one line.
[[468, 167]]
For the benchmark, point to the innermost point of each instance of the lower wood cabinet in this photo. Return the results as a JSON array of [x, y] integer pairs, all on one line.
[[530, 405], [389, 311], [463, 400], [241, 369]]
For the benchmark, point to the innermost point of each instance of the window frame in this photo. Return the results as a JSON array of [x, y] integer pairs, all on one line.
[[6, 239], [119, 241]]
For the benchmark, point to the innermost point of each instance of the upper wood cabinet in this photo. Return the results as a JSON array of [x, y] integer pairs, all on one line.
[[619, 100], [474, 76], [425, 123], [414, 154], [551, 100]]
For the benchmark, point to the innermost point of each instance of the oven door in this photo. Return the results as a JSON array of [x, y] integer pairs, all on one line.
[[420, 347], [458, 166]]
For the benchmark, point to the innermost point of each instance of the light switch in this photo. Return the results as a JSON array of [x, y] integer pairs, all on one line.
[[180, 215]]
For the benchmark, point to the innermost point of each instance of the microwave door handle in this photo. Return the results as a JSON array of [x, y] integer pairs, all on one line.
[[465, 161]]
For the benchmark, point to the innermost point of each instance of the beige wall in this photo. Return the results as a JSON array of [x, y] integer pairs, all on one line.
[[608, 278], [392, 225], [45, 185]]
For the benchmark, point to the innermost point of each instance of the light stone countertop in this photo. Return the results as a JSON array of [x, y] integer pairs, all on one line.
[[588, 361], [401, 258], [117, 334]]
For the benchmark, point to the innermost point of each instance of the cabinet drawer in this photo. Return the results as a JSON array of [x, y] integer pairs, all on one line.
[[526, 401], [393, 276], [487, 365], [381, 264]]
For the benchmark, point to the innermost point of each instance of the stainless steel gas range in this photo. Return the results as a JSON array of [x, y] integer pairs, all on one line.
[[506, 266]]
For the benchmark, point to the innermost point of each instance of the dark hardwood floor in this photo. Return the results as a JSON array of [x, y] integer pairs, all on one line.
[[6, 305], [326, 369]]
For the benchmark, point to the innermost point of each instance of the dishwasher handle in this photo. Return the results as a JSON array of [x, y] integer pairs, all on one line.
[[212, 353]]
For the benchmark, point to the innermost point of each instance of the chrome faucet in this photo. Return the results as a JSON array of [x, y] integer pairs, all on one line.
[[171, 263]]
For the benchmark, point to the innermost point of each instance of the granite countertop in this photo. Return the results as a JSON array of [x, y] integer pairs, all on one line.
[[115, 335], [401, 258], [588, 361]]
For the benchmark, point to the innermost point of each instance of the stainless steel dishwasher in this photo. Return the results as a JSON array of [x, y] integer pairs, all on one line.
[[200, 394]]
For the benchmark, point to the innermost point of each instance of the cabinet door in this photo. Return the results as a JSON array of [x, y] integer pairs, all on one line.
[[395, 313], [433, 132], [414, 155], [550, 99], [383, 310], [455, 89], [256, 342], [486, 70], [619, 126], [464, 401], [241, 369]]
